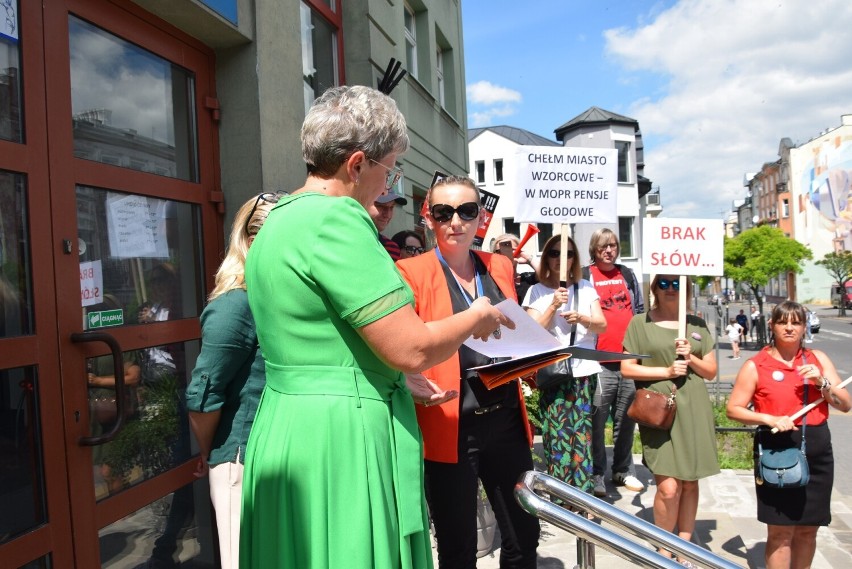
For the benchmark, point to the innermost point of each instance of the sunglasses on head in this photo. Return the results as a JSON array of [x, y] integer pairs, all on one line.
[[664, 284], [412, 250], [268, 197], [554, 254], [442, 212]]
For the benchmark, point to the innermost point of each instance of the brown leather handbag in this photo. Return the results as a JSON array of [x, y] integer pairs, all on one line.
[[653, 409]]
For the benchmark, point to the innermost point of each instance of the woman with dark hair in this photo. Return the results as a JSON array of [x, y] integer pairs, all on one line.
[[566, 408], [484, 434], [410, 243], [781, 379], [334, 465], [681, 456]]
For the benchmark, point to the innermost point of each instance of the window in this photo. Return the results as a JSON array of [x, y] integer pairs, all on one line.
[[545, 232], [480, 171], [625, 236], [11, 106], [439, 73], [498, 171], [319, 52], [445, 72], [785, 207], [410, 41], [623, 160], [132, 108], [511, 226]]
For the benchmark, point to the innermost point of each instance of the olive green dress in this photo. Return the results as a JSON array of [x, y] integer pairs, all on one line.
[[333, 471], [688, 450]]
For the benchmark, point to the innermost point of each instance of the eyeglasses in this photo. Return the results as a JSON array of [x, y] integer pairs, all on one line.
[[554, 254], [412, 250], [442, 212], [602, 248], [268, 197], [664, 284], [393, 175], [502, 244]]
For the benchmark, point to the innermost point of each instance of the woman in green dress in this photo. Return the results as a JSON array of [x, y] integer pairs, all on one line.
[[683, 455], [333, 468]]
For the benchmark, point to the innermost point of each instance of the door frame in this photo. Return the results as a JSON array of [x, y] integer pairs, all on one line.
[[73, 517]]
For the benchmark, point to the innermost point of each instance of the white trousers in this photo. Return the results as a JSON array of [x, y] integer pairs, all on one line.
[[226, 493]]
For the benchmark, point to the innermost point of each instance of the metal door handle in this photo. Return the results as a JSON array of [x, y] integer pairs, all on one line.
[[118, 371]]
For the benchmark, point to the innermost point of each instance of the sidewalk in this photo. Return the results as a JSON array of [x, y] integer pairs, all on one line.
[[726, 525]]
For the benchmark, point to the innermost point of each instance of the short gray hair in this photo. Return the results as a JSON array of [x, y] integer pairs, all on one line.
[[346, 119]]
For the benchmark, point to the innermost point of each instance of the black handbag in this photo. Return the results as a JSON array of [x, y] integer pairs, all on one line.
[[784, 467], [561, 371]]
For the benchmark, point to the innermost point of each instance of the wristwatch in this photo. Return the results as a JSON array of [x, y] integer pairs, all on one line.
[[824, 383]]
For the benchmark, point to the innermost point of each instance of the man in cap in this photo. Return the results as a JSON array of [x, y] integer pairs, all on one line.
[[382, 214]]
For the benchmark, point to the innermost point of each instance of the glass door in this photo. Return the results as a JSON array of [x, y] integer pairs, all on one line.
[[108, 240]]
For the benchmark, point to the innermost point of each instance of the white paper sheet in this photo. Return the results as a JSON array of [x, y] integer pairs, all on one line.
[[527, 338]]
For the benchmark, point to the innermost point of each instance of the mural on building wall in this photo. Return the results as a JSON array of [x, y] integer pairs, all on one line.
[[826, 182]]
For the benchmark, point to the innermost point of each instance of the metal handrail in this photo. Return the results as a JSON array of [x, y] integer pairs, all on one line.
[[532, 482]]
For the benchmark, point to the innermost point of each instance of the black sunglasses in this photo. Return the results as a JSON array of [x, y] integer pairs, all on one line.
[[665, 283], [412, 250], [268, 197], [554, 254], [442, 212]]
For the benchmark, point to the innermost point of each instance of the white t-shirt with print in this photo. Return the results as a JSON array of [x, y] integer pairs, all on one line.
[[540, 296]]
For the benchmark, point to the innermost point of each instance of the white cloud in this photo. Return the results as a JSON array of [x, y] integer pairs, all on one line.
[[740, 75], [486, 93]]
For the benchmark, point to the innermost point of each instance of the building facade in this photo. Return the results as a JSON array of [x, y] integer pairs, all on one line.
[[130, 133], [492, 155]]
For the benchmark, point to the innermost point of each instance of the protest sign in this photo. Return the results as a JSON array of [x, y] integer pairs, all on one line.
[[683, 246], [566, 185]]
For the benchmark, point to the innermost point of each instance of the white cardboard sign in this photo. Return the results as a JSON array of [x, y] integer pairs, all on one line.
[[692, 247], [566, 185]]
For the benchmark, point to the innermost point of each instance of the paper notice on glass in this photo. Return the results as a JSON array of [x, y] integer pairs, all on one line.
[[527, 338]]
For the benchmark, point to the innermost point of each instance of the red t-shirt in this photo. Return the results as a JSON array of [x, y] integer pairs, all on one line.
[[615, 303], [780, 388]]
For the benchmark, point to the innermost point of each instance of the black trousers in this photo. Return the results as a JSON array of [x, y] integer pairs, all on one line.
[[493, 448]]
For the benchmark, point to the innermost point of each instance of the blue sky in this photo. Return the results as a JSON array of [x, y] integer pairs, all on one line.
[[714, 84]]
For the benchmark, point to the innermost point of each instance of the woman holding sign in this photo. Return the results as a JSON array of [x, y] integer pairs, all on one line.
[[681, 456], [484, 433], [778, 381], [574, 316]]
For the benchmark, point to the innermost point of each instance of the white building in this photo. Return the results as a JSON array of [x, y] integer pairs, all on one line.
[[491, 153]]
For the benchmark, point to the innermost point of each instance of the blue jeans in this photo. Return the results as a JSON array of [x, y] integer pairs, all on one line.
[[613, 396]]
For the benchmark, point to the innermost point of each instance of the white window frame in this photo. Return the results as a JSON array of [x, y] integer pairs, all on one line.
[[498, 171], [439, 73], [410, 18], [627, 167], [479, 171]]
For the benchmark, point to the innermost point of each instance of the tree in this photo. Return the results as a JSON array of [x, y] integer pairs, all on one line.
[[839, 266], [761, 253]]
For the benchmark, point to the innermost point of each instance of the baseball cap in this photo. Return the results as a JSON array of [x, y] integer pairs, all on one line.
[[390, 197]]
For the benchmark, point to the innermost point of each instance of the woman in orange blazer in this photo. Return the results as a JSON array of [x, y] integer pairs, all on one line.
[[484, 433]]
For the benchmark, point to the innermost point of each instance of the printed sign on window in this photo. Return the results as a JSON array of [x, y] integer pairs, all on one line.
[[91, 283]]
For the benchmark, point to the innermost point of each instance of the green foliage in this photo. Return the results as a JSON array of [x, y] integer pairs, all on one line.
[[839, 266], [147, 440], [734, 448], [761, 253], [533, 411]]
